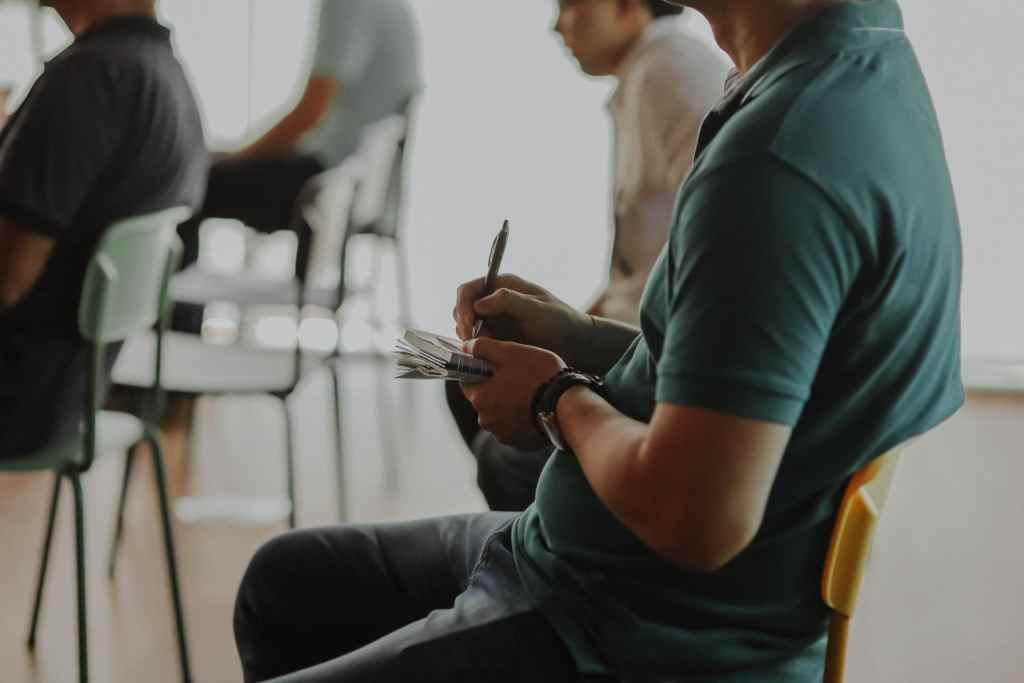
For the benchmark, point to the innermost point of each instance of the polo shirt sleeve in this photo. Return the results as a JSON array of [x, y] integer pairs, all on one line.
[[59, 144], [346, 39], [761, 261]]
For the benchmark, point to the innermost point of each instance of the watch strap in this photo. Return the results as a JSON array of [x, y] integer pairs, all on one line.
[[545, 400]]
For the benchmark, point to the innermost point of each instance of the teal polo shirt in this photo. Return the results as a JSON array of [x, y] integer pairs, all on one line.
[[811, 279]]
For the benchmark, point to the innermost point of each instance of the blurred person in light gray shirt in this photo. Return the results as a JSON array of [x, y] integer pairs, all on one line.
[[370, 48], [366, 67], [667, 78]]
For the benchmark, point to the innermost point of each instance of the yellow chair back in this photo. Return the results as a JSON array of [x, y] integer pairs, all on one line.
[[848, 553]]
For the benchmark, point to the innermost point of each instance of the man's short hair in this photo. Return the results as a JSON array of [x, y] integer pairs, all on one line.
[[660, 8]]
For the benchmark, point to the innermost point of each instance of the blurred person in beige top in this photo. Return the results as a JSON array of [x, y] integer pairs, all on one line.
[[668, 77]]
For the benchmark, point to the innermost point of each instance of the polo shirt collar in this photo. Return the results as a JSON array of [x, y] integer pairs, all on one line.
[[127, 24], [844, 26]]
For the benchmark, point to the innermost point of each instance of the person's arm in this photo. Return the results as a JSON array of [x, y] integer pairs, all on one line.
[[693, 484], [53, 154], [305, 115], [524, 312], [346, 36], [756, 290], [23, 255]]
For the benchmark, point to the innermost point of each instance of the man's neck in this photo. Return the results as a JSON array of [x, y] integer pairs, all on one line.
[[748, 29], [85, 18]]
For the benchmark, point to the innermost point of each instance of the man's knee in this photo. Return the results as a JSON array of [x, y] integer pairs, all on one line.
[[271, 575]]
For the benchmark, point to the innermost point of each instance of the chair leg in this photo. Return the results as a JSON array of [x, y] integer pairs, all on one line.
[[83, 622], [115, 543], [372, 291], [402, 275], [289, 461], [172, 565], [339, 441], [45, 562]]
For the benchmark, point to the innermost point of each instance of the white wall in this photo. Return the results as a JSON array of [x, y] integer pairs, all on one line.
[[970, 54]]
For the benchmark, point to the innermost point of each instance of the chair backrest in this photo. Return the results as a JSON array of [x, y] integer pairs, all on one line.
[[361, 195], [381, 152], [852, 536], [123, 283], [325, 205], [124, 294]]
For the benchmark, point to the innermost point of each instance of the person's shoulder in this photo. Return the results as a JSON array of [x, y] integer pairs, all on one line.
[[822, 114], [872, 92], [679, 61], [682, 50], [81, 75], [861, 114], [687, 39], [83, 59], [112, 57]]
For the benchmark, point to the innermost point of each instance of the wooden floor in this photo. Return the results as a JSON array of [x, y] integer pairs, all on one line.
[[944, 592]]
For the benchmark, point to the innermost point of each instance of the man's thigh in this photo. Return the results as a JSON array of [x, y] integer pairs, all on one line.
[[259, 192], [314, 594], [492, 633]]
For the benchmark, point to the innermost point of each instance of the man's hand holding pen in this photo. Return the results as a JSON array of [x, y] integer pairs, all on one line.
[[527, 331], [526, 328], [520, 311]]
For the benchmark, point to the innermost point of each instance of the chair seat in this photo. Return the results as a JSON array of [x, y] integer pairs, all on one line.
[[196, 286], [193, 366], [115, 432]]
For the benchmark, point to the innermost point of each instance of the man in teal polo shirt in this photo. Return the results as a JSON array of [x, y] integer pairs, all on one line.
[[802, 320]]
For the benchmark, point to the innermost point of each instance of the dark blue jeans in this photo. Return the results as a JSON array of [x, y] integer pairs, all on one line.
[[431, 600], [506, 475]]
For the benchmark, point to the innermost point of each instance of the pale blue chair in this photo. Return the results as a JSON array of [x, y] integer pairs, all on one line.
[[121, 297]]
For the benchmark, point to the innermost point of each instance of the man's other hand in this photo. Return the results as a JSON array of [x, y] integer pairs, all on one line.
[[504, 403], [519, 311]]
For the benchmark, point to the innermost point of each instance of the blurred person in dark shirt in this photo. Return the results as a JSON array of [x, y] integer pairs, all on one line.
[[109, 130]]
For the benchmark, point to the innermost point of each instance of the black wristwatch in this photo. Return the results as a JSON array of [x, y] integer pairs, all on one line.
[[546, 400]]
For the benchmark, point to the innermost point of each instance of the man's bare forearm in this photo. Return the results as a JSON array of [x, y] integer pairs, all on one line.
[[307, 113]]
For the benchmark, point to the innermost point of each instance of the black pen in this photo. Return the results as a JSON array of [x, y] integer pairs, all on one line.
[[493, 266]]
